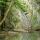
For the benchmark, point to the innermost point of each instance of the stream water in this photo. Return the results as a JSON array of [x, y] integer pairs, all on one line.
[[22, 36]]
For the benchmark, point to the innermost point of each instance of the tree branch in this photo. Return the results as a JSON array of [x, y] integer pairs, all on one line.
[[6, 13]]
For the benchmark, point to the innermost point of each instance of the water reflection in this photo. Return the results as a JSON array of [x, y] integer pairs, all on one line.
[[22, 36], [27, 36]]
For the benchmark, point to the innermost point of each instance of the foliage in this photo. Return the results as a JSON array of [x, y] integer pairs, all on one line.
[[16, 12], [21, 5], [35, 17]]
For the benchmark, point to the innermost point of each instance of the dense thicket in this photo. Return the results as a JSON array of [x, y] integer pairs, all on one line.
[[18, 11]]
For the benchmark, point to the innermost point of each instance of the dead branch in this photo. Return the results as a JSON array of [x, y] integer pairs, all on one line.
[[6, 13]]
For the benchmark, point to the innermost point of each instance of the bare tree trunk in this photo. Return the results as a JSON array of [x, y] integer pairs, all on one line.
[[1, 17]]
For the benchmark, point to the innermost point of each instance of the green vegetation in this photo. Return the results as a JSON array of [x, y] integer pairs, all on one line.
[[20, 19]]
